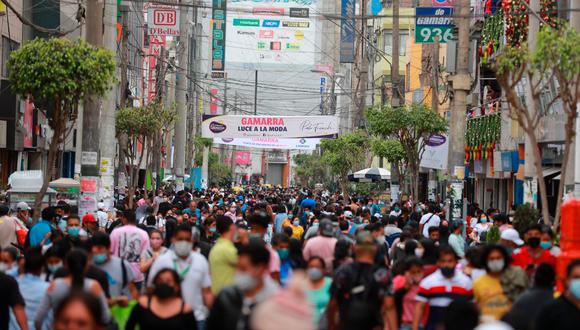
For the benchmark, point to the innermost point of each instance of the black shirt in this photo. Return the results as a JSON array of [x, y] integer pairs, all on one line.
[[10, 297], [560, 314], [359, 289]]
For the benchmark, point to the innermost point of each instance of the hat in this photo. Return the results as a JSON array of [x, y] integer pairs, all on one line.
[[512, 235], [365, 238], [89, 217], [101, 206], [326, 228], [23, 206], [348, 214]]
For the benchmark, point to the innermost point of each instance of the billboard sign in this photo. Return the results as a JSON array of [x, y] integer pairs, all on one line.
[[271, 143], [218, 34], [436, 152], [347, 30], [226, 126], [270, 32], [431, 22], [163, 21]]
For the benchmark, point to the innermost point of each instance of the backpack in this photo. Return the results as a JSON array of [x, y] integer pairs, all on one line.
[[361, 309]]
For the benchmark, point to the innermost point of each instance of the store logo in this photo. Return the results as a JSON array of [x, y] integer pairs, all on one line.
[[228, 140], [271, 23], [246, 33], [216, 127], [436, 140]]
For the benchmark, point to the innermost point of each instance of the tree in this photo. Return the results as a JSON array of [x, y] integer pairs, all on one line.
[[411, 126], [309, 169], [140, 126], [59, 73], [556, 58], [392, 151], [345, 154]]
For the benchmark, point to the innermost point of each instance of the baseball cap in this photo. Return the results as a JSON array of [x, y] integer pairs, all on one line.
[[512, 235], [23, 206], [326, 228], [348, 214], [365, 238], [101, 206], [89, 217]]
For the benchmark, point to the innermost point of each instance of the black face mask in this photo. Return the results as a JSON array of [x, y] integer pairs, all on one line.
[[164, 291], [447, 271], [534, 242]]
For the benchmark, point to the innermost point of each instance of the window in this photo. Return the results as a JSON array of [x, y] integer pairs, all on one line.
[[388, 42], [7, 47]]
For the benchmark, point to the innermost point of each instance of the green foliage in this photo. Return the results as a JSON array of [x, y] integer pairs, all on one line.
[[310, 169], [558, 50], [392, 150], [524, 217], [144, 122], [60, 70], [218, 173], [511, 59], [345, 153]]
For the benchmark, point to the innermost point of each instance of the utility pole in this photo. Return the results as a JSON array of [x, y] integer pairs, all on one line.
[[168, 138], [91, 113], [122, 138], [461, 86], [233, 157], [361, 70], [435, 77], [181, 95], [256, 94], [575, 23], [396, 40], [529, 168], [160, 97]]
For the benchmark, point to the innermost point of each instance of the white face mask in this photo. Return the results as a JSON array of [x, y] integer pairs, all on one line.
[[496, 266], [419, 253], [4, 267], [183, 248], [244, 281]]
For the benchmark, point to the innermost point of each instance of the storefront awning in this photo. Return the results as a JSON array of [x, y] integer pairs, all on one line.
[[551, 171]]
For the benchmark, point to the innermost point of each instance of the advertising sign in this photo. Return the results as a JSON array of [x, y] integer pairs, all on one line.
[[163, 21], [28, 123], [431, 22], [155, 44], [436, 152], [271, 143], [218, 33], [347, 26], [226, 126], [443, 3], [271, 32]]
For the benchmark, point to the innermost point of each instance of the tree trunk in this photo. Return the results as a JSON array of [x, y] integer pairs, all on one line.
[[570, 132], [540, 175]]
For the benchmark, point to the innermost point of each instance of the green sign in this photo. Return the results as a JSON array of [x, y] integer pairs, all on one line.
[[246, 22], [426, 34]]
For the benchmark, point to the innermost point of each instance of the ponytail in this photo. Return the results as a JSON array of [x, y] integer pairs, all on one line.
[[76, 261]]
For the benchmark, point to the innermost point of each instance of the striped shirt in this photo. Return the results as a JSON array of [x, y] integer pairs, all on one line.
[[439, 291]]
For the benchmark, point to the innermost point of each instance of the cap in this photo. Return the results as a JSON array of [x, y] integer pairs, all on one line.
[[326, 228], [348, 214], [23, 206], [365, 238], [512, 235], [89, 217], [101, 206]]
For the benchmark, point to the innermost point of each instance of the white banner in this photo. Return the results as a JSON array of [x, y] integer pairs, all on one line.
[[271, 143], [436, 153], [225, 126]]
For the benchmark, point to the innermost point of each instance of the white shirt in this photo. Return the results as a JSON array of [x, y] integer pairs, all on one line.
[[429, 220], [103, 219], [194, 272]]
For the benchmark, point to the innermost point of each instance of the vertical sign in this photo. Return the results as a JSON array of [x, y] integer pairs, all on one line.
[[322, 89], [347, 25], [28, 123], [218, 45], [155, 44]]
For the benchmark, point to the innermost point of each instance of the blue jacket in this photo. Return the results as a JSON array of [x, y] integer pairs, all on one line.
[[38, 231]]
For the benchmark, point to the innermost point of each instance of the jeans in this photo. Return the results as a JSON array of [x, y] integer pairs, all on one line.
[[201, 325]]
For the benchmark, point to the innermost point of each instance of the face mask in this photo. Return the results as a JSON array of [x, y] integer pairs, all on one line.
[[534, 242], [212, 230], [483, 220], [546, 245], [245, 281], [290, 216], [418, 210], [74, 231], [100, 258], [419, 253], [283, 253], [232, 210], [164, 291], [53, 268], [447, 271], [315, 274], [575, 287], [183, 248], [495, 266], [296, 223], [397, 209], [4, 267]]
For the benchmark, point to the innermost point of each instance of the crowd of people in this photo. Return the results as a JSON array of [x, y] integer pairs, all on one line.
[[278, 259]]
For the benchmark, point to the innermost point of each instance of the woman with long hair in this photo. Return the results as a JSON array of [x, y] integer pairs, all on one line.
[[76, 262], [164, 308]]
